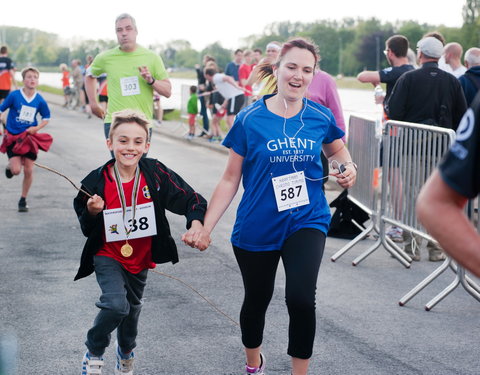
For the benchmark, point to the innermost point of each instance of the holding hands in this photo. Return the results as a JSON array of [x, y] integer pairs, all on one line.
[[197, 236]]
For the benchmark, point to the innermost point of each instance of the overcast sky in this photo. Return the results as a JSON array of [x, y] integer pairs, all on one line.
[[204, 22]]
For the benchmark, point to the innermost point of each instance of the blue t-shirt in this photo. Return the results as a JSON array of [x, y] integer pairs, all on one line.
[[272, 147], [23, 111]]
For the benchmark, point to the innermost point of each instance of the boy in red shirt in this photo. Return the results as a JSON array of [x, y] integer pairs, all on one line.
[[124, 220]]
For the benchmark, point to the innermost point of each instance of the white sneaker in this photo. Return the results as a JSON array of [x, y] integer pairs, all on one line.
[[123, 366], [256, 370], [91, 365]]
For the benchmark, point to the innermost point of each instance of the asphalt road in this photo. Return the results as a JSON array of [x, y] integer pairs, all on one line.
[[360, 327]]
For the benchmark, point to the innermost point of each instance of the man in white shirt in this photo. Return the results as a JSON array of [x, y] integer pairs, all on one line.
[[453, 55], [230, 90]]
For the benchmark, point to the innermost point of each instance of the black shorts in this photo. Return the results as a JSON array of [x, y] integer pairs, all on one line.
[[103, 98], [28, 155], [4, 93], [235, 104]]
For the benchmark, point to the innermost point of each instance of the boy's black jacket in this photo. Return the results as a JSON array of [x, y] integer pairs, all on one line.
[[168, 190]]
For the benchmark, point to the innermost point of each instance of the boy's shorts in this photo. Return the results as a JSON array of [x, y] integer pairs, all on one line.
[[191, 118], [28, 155]]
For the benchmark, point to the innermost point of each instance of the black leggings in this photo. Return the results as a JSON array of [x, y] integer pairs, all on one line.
[[301, 256]]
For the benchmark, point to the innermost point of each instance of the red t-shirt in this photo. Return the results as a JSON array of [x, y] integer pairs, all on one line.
[[65, 78], [243, 73], [142, 247]]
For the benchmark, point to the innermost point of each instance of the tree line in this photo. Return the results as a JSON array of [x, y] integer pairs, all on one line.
[[346, 47]]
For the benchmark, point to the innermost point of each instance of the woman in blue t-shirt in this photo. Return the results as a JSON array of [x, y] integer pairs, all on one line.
[[275, 145]]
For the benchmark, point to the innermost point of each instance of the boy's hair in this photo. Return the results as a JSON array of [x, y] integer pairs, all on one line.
[[30, 69], [193, 89], [259, 50], [3, 50], [128, 116], [63, 66]]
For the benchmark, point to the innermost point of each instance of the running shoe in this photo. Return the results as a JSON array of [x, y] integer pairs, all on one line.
[[256, 370], [395, 234], [124, 364], [91, 365], [8, 173], [22, 205]]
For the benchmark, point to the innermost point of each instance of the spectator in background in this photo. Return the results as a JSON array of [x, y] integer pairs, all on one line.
[[158, 109], [67, 91], [7, 74], [203, 97], [232, 67], [192, 110], [257, 56], [470, 81], [261, 86], [77, 76], [231, 92], [427, 96], [323, 90], [102, 91], [396, 49], [453, 55], [244, 73], [396, 53]]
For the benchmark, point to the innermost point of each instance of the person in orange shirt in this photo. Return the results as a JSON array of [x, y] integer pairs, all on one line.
[[65, 83], [7, 77]]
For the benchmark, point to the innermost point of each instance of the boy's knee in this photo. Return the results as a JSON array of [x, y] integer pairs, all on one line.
[[116, 303]]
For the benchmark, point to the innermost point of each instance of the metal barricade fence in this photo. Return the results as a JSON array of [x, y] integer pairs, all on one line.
[[410, 154], [364, 149]]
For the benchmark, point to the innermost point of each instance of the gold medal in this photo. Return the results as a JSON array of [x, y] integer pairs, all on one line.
[[126, 250]]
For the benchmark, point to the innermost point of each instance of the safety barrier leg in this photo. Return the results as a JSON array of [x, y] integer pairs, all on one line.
[[353, 242], [465, 280], [399, 250], [387, 247], [412, 293], [449, 289], [472, 284]]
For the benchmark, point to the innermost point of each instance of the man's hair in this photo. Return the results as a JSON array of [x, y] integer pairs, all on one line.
[[30, 69], [3, 50], [124, 16], [472, 56], [128, 116], [237, 51], [398, 44], [259, 50], [435, 34]]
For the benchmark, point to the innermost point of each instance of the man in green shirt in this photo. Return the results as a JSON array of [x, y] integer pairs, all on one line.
[[133, 72]]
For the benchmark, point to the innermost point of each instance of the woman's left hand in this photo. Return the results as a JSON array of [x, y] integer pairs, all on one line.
[[347, 178]]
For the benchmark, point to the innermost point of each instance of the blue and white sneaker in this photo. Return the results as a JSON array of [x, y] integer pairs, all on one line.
[[91, 365], [124, 364], [256, 370]]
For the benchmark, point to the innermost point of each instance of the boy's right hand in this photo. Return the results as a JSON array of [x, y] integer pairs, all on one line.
[[95, 205]]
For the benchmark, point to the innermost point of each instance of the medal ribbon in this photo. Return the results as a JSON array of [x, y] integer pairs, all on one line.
[[121, 195]]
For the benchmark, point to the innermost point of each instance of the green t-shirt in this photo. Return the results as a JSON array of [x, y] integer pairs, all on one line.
[[192, 105], [126, 87]]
